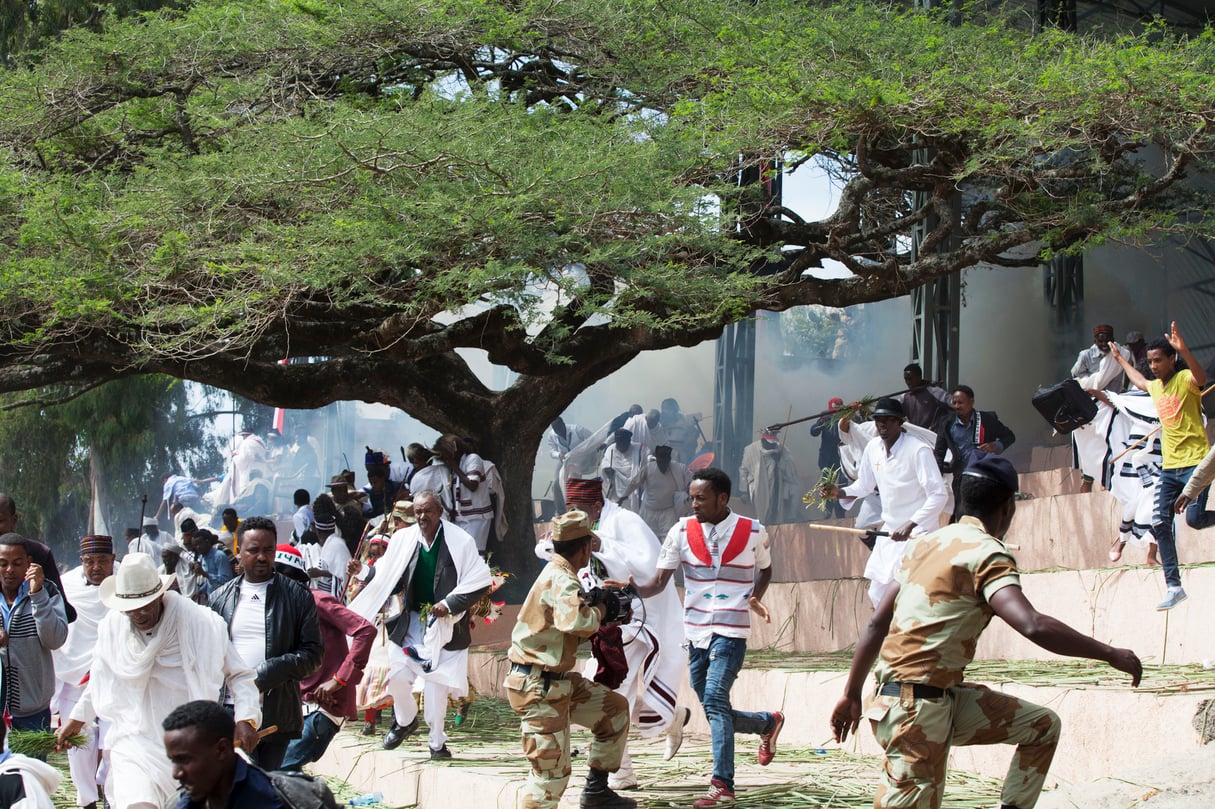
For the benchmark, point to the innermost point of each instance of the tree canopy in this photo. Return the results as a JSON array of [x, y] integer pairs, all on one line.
[[203, 192]]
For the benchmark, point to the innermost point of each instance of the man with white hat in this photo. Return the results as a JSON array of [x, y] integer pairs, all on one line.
[[155, 651]]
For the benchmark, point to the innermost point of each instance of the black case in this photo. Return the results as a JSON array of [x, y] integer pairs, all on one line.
[[1066, 406]]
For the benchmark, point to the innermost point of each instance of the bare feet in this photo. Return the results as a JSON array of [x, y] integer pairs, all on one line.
[[1116, 550]]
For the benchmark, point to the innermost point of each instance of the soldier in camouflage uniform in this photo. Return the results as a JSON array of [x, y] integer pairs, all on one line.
[[544, 690], [927, 627]]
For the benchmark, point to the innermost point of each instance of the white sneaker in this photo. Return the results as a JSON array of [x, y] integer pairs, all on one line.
[[675, 732]]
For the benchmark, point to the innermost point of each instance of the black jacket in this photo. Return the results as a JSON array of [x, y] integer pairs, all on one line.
[[293, 647], [445, 582], [990, 428]]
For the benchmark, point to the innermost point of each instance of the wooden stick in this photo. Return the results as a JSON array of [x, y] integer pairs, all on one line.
[[1157, 429], [819, 415], [843, 529]]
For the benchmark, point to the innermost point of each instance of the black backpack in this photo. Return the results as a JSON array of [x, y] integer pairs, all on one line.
[[301, 791]]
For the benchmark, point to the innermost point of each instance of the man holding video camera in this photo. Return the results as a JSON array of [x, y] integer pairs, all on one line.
[[542, 686]]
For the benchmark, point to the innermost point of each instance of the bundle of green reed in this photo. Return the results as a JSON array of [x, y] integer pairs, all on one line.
[[39, 743], [817, 497], [859, 410]]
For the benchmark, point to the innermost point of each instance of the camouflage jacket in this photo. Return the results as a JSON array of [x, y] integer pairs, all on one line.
[[944, 583], [553, 620]]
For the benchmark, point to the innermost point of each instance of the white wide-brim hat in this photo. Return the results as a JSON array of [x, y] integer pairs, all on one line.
[[135, 585]]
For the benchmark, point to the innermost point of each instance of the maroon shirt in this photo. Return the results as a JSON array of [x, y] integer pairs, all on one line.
[[346, 663]]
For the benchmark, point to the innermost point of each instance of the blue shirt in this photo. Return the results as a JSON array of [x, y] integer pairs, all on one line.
[[182, 488], [217, 565], [251, 789]]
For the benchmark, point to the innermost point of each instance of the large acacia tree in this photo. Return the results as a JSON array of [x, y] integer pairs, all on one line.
[[382, 187]]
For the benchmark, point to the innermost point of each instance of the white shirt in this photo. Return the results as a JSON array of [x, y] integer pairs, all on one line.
[[145, 544], [301, 521], [575, 434], [715, 597], [248, 625], [908, 480]]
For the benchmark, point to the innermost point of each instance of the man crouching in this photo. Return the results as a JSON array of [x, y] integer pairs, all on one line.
[[557, 616]]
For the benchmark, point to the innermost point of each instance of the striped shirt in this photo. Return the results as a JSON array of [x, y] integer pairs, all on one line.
[[719, 563]]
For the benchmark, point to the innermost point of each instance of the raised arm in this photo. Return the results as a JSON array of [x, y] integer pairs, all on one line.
[[1176, 341], [1132, 373], [1055, 636]]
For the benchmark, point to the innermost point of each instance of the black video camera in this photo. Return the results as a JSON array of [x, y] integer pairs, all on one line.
[[617, 602]]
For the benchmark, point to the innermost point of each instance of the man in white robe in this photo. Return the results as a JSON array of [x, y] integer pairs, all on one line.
[[653, 639], [156, 650], [622, 468], [459, 578], [904, 471], [560, 439], [664, 491], [74, 658]]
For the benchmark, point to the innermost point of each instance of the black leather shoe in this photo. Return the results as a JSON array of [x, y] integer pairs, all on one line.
[[440, 754], [399, 733]]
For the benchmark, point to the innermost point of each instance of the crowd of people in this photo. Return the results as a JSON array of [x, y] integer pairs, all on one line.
[[219, 636]]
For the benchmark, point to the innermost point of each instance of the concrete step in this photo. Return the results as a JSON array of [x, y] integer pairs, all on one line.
[[1106, 724], [1105, 720]]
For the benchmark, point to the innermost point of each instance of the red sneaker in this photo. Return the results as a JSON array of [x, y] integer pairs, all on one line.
[[718, 795], [767, 741]]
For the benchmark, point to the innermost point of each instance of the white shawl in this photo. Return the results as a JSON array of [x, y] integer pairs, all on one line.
[[40, 780], [450, 668], [136, 681], [472, 573], [73, 658]]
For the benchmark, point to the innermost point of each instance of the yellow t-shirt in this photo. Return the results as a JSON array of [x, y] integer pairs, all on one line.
[[1179, 405]]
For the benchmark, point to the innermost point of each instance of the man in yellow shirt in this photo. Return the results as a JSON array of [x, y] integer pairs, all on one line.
[[1177, 395]]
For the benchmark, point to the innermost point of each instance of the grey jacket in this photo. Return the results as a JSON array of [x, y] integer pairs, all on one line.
[[37, 625]]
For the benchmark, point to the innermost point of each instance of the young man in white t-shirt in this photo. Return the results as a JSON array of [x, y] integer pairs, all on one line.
[[727, 568]]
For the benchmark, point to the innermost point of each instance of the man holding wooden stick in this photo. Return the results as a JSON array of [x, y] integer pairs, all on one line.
[[1177, 395]]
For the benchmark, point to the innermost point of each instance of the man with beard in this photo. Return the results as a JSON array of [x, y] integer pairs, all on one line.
[[273, 625]]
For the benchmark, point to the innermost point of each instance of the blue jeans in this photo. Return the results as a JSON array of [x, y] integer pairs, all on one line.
[[1168, 487], [713, 672], [318, 732]]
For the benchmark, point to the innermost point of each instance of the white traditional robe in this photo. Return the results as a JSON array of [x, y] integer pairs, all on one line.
[[653, 640], [622, 472], [72, 662], [911, 488], [664, 496], [448, 675], [38, 779], [137, 679]]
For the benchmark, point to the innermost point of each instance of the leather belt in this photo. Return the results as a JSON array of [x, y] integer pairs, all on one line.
[[918, 690], [528, 668]]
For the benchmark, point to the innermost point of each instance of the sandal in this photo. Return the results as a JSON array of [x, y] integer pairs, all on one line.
[[1116, 550]]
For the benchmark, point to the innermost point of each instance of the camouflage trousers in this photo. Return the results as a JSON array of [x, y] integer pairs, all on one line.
[[546, 710], [918, 733]]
